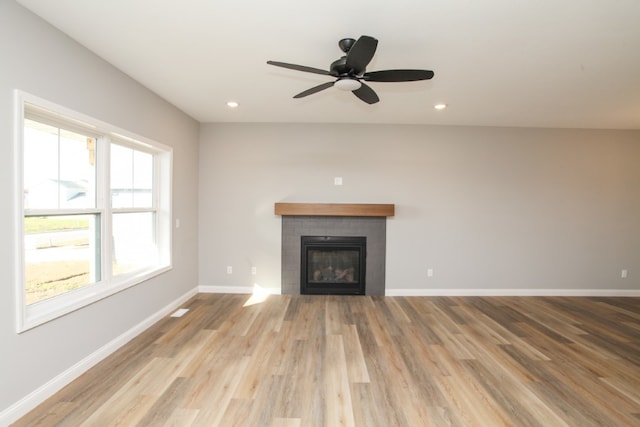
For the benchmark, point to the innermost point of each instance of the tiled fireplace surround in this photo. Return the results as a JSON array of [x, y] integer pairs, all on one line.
[[373, 228]]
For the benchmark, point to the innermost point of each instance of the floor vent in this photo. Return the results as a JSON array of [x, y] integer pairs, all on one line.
[[180, 312]]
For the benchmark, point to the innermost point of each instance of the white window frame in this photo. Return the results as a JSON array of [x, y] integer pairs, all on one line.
[[32, 315]]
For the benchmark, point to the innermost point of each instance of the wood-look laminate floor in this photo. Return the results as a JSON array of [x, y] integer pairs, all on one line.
[[368, 361]]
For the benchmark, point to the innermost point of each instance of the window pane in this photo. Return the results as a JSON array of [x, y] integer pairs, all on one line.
[[77, 157], [59, 168], [121, 176], [131, 178], [134, 241], [40, 165], [142, 179], [62, 253]]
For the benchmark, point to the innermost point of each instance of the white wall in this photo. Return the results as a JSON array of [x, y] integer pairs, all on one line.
[[530, 211], [42, 61]]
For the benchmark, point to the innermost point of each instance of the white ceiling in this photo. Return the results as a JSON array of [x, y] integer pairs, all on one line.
[[540, 63]]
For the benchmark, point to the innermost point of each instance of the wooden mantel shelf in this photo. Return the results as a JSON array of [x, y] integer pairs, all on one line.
[[334, 209]]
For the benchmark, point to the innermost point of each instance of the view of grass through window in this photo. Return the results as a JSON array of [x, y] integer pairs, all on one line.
[[57, 255]]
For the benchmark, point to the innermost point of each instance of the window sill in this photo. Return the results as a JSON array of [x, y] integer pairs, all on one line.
[[45, 311]]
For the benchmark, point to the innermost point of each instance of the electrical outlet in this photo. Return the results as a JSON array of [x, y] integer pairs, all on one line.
[[623, 274], [229, 269], [254, 271], [430, 272], [337, 180]]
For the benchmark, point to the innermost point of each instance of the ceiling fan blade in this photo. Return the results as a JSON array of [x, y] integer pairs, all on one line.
[[361, 54], [366, 94], [398, 75], [299, 68], [314, 89]]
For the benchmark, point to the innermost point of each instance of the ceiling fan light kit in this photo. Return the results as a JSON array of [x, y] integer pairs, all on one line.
[[350, 71], [347, 84]]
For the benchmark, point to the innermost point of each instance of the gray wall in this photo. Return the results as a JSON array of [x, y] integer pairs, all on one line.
[[42, 61], [485, 208]]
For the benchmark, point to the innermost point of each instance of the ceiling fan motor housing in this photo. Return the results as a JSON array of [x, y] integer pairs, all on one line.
[[345, 44], [339, 67]]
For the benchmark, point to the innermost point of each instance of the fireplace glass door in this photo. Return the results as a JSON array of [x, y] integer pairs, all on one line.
[[333, 265]]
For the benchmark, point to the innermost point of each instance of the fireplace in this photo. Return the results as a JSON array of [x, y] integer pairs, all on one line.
[[333, 265], [344, 220]]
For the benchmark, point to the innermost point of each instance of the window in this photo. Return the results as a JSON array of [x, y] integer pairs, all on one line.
[[95, 208], [133, 220]]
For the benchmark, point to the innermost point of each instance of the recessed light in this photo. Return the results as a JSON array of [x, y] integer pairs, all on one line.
[[232, 104], [440, 106]]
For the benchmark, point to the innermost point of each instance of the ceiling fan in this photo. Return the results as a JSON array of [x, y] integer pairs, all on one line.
[[350, 71]]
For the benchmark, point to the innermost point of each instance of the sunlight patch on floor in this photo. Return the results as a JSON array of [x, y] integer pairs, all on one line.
[[259, 295]]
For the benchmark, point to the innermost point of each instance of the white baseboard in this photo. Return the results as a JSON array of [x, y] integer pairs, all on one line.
[[225, 289], [33, 399], [455, 292], [235, 290], [516, 292]]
